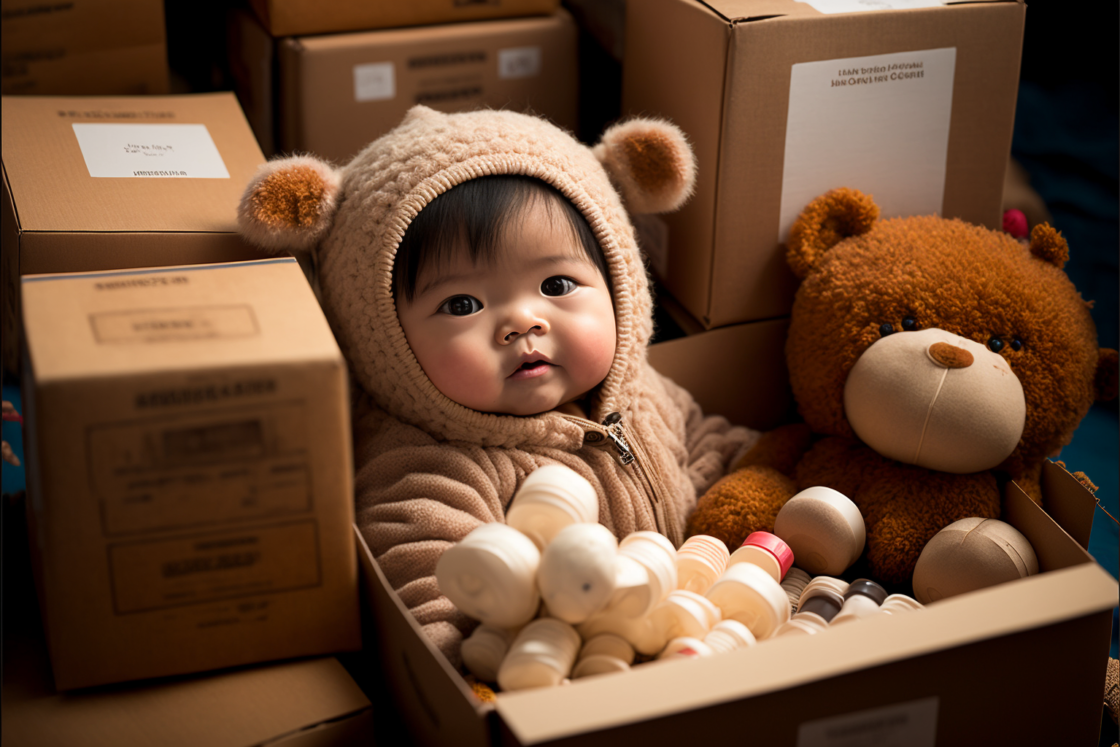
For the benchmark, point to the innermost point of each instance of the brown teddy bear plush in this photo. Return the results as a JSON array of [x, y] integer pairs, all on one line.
[[931, 360]]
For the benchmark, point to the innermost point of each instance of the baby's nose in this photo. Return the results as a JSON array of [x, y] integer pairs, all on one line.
[[522, 322], [514, 334]]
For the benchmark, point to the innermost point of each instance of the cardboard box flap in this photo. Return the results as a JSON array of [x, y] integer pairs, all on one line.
[[234, 709], [654, 691], [159, 163], [1075, 511], [173, 318], [745, 11], [740, 358], [1054, 547]]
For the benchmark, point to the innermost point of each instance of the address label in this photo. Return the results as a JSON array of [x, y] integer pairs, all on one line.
[[150, 575], [911, 724], [879, 124], [183, 151]]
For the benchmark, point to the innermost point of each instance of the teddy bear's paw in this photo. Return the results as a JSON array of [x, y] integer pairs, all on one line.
[[743, 502]]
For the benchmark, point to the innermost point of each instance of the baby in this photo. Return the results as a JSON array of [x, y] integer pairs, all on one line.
[[481, 275]]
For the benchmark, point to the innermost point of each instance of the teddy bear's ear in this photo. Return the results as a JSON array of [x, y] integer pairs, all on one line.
[[1108, 371], [650, 163], [824, 223], [1049, 245], [289, 204]]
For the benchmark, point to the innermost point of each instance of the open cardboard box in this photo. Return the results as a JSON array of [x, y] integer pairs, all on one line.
[[1023, 662]]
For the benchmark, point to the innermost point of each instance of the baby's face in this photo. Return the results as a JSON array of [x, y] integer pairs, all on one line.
[[521, 336]]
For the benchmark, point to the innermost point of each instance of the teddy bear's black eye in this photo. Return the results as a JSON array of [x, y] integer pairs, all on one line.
[[909, 324], [995, 344], [1016, 344], [885, 329], [587, 587]]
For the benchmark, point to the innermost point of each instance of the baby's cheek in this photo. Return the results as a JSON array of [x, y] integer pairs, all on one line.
[[595, 337], [462, 370]]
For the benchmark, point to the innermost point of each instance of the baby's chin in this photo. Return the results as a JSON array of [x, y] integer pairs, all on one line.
[[530, 407]]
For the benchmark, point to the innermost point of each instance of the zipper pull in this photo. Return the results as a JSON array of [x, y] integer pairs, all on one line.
[[613, 422]]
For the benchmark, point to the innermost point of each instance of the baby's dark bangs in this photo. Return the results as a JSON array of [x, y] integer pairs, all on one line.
[[477, 212]]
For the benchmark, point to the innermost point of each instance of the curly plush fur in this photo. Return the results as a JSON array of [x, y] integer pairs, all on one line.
[[860, 273]]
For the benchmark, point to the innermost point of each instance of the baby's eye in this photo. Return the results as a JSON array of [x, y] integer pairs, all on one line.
[[558, 285], [460, 306]]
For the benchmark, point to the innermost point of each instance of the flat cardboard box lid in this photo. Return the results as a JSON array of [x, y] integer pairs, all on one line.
[[51, 184], [84, 325], [736, 11]]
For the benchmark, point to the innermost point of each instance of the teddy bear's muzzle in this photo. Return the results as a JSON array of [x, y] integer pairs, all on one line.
[[936, 400]]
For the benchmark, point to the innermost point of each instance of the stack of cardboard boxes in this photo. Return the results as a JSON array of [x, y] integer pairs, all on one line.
[[329, 80], [190, 479]]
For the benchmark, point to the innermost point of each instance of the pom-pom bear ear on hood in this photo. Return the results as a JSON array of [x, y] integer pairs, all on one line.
[[1049, 245], [825, 222], [650, 163], [289, 204]]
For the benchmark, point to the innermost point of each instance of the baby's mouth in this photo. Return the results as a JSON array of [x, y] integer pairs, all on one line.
[[531, 369]]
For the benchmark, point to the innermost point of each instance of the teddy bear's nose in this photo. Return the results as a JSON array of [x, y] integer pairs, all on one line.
[[949, 356]]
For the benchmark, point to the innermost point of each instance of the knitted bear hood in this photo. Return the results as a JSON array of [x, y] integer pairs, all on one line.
[[354, 219]]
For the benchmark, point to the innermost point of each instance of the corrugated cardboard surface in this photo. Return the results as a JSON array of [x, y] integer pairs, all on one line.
[[722, 71], [84, 47], [58, 218], [252, 62], [189, 470], [978, 656], [52, 187], [452, 67], [287, 703], [299, 17]]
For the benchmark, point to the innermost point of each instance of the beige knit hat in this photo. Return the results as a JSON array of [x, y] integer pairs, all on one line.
[[355, 217]]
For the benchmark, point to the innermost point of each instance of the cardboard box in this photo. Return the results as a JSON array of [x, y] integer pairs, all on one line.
[[1018, 663], [306, 703], [83, 47], [338, 93], [86, 189], [299, 17], [251, 52], [189, 470], [784, 100]]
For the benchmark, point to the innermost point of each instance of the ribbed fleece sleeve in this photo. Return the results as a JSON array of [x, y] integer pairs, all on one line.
[[414, 498], [712, 442]]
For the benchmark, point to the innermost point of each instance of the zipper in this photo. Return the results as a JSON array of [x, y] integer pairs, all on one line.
[[629, 454]]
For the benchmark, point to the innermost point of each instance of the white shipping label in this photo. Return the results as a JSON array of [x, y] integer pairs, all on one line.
[[375, 81], [856, 6], [519, 62], [879, 124], [150, 150], [912, 724]]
